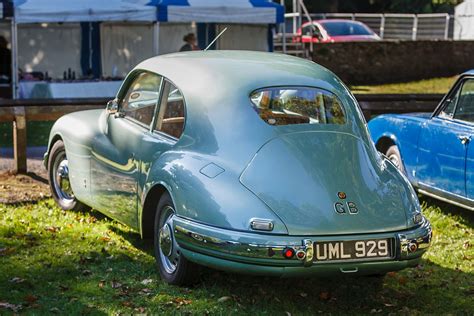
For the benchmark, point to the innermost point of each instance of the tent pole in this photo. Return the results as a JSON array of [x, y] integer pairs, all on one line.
[[14, 52], [156, 38]]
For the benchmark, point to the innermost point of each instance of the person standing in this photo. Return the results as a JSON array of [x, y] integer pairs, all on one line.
[[190, 44]]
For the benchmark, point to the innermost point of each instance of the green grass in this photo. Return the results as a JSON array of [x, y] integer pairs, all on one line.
[[435, 85], [37, 133], [84, 263]]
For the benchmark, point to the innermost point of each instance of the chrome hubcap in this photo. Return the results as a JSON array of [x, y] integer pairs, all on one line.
[[169, 251], [61, 182], [165, 240]]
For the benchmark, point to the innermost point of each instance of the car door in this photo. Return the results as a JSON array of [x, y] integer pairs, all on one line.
[[444, 143], [166, 130], [116, 155], [465, 112]]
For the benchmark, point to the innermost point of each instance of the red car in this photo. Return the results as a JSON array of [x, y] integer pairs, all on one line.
[[334, 30]]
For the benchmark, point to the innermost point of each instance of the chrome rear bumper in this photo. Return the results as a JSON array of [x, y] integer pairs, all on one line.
[[267, 250]]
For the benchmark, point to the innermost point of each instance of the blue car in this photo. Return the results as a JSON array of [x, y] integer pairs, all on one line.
[[434, 150]]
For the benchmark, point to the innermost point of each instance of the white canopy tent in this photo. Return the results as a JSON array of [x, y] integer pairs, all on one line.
[[247, 20], [464, 21], [152, 27], [45, 44]]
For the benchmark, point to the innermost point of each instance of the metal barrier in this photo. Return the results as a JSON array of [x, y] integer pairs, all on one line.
[[388, 25], [21, 111]]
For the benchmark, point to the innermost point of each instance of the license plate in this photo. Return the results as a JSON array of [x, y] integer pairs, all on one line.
[[352, 250]]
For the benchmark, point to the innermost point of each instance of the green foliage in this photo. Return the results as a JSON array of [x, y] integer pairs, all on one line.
[[69, 263]]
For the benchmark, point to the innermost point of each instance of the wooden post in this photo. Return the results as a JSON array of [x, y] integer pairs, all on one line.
[[19, 141]]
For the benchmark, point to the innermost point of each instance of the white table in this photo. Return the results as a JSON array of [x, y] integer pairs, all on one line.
[[59, 90]]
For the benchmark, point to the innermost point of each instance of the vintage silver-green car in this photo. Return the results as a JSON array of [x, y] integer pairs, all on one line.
[[241, 161]]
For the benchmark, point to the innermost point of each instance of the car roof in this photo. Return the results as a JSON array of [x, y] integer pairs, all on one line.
[[333, 20], [210, 75], [469, 72]]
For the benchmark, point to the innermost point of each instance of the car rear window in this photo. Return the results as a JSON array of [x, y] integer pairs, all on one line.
[[297, 105]]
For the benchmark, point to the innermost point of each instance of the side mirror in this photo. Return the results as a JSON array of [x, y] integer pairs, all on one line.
[[112, 107]]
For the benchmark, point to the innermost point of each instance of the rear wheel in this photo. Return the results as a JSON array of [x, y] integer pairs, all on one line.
[[173, 266], [393, 154], [58, 176]]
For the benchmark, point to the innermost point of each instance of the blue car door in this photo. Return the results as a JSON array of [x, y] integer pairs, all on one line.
[[465, 112], [444, 143]]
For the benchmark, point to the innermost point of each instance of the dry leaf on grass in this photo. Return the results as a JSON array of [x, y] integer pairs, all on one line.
[[223, 299]]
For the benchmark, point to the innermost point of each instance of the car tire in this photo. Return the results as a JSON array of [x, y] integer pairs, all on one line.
[[174, 268], [58, 177], [393, 154]]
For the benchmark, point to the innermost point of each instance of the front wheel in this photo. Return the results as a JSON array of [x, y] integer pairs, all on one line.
[[59, 183], [173, 266]]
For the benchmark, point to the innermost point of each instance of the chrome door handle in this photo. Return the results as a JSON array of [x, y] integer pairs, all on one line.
[[464, 139]]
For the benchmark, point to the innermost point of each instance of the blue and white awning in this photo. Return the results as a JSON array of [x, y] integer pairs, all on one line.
[[44, 11], [220, 11]]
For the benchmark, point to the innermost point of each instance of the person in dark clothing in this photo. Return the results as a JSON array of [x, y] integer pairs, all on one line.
[[5, 60], [190, 40]]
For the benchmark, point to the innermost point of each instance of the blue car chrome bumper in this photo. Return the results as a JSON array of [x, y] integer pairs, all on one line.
[[255, 253]]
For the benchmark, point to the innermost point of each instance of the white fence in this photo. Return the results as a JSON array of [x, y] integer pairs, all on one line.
[[388, 26]]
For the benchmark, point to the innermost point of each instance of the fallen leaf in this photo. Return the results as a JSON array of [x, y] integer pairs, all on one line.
[[140, 310], [466, 244], [223, 299], [31, 298], [324, 296], [17, 280], [146, 281], [52, 229], [86, 272], [402, 280], [303, 294], [288, 313], [115, 284], [127, 304], [6, 251], [54, 310], [181, 301], [13, 307], [101, 283], [145, 291]]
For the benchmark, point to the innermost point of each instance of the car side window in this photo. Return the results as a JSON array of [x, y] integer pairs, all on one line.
[[311, 30], [141, 98], [450, 105], [465, 104], [170, 118]]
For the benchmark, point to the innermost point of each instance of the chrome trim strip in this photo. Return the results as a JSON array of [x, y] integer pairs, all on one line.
[[461, 201]]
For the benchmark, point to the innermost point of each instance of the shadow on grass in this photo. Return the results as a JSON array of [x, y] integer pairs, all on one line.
[[77, 272]]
